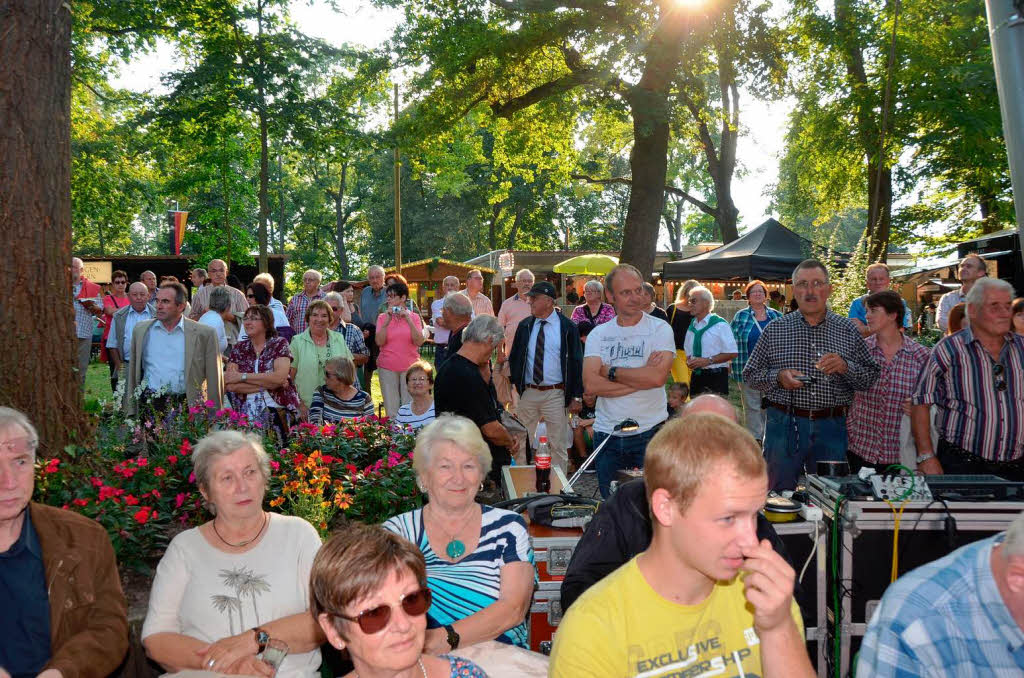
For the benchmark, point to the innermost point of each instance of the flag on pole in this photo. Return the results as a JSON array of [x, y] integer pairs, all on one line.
[[177, 220]]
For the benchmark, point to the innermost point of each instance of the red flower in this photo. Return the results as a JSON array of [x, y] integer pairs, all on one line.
[[142, 516], [80, 502], [159, 471], [156, 493], [96, 482], [130, 500], [51, 466], [276, 466], [173, 458], [141, 462]]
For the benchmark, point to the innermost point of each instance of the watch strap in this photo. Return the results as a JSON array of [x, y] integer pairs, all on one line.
[[922, 458], [453, 636]]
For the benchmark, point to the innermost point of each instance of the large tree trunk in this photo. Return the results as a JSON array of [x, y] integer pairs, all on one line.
[[264, 150], [879, 211], [340, 219], [37, 363], [649, 165]]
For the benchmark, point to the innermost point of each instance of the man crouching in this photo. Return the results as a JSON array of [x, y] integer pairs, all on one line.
[[706, 595]]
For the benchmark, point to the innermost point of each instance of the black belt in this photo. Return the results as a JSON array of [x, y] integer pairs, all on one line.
[[560, 387], [824, 413]]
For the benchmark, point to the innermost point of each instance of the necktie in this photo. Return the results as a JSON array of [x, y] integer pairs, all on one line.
[[538, 355]]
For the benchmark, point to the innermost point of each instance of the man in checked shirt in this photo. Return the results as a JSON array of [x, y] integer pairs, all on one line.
[[808, 365]]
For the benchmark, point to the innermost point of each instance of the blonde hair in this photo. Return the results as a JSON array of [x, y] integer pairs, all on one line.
[[685, 451], [683, 293]]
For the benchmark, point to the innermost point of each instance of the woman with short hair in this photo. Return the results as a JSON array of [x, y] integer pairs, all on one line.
[[1018, 315], [312, 348], [747, 326], [224, 589], [419, 411], [478, 558], [339, 398], [370, 596], [399, 335], [594, 310], [113, 300]]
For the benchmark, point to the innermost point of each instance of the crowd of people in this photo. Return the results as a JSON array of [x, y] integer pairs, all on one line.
[[654, 585]]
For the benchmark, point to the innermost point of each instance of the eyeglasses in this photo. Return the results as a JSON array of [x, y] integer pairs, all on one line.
[[376, 619], [812, 284], [419, 380], [120, 282], [997, 372]]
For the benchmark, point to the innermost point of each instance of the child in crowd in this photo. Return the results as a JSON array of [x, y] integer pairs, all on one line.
[[678, 394]]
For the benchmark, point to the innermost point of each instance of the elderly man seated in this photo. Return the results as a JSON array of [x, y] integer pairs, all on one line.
[[63, 612]]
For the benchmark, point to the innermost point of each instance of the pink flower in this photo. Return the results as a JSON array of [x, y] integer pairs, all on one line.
[[159, 471], [172, 459], [276, 466], [179, 500], [142, 462], [192, 477], [210, 404]]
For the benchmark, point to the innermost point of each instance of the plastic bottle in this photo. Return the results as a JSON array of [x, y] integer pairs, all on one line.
[[542, 464]]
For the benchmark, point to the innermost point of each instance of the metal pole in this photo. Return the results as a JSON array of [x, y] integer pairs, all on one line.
[[1006, 29], [398, 196]]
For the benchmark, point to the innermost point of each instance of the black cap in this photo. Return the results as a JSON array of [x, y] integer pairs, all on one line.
[[543, 287]]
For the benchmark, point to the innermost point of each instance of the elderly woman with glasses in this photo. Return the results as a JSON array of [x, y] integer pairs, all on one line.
[[595, 310], [479, 560], [312, 348], [339, 398], [113, 300], [747, 326], [224, 589], [399, 336], [257, 376], [370, 597], [418, 412]]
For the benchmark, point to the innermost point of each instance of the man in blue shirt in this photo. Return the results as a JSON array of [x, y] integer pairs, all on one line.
[[960, 616], [878, 280], [371, 299]]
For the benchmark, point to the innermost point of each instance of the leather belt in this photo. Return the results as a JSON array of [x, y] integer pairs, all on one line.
[[826, 413], [560, 387]]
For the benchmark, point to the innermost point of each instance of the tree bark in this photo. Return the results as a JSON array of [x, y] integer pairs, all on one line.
[[37, 366], [261, 111], [879, 211], [340, 219]]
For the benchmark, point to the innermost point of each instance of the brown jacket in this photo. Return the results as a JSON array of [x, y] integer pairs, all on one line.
[[88, 616]]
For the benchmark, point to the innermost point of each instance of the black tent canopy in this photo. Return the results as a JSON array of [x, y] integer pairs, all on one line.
[[769, 252]]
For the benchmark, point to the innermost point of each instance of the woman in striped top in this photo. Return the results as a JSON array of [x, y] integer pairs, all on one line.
[[338, 399], [419, 412], [479, 560]]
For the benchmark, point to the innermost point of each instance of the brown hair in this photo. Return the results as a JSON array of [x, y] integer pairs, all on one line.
[[260, 292], [1018, 305], [889, 301], [265, 315], [420, 366], [685, 451], [752, 284], [118, 274], [322, 305], [355, 562], [956, 318], [878, 265]]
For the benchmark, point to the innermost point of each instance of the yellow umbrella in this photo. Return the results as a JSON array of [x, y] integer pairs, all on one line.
[[587, 264]]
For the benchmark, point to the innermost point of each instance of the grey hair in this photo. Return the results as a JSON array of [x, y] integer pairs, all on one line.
[[342, 367], [458, 304], [484, 329], [319, 276], [451, 277], [10, 417], [594, 285], [702, 291], [809, 264], [684, 291], [452, 428], [266, 279], [1013, 543], [373, 268], [334, 296], [527, 272], [220, 444], [220, 299], [976, 297]]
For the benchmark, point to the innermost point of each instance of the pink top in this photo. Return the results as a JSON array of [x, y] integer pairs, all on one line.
[[398, 352]]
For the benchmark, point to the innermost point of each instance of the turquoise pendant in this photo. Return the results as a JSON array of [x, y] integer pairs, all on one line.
[[455, 549]]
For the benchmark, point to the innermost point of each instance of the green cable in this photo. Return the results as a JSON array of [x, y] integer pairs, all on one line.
[[913, 481]]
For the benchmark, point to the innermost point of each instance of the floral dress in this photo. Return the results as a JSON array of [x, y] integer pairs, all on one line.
[[255, 405]]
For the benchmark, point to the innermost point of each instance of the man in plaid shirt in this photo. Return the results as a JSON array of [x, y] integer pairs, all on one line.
[[300, 302], [960, 616], [808, 364]]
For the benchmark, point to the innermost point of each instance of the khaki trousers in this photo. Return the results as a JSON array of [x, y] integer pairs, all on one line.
[[549, 405]]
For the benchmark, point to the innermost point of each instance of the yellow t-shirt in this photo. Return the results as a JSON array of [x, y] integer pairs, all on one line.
[[622, 627]]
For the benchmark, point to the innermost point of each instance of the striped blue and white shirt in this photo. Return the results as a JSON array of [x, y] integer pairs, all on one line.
[[946, 618], [980, 401], [407, 418], [464, 588]]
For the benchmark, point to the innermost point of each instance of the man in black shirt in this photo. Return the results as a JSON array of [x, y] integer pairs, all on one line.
[[463, 386]]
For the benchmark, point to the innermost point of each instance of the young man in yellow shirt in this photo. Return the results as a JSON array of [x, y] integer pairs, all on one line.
[[706, 597]]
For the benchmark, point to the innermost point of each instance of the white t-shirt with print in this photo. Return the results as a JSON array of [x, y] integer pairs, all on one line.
[[631, 346]]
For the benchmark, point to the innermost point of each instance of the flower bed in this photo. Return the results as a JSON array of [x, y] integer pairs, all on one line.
[[361, 470]]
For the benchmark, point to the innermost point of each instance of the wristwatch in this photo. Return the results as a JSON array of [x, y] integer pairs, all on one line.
[[922, 458], [245, 376], [611, 373], [262, 638], [453, 636]]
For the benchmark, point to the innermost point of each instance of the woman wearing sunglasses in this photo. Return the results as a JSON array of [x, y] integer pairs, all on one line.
[[369, 594], [479, 560]]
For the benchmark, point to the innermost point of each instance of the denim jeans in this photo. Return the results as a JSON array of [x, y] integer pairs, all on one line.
[[793, 444], [620, 452]]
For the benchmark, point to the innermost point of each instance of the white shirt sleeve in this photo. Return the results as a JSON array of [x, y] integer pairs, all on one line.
[[172, 576]]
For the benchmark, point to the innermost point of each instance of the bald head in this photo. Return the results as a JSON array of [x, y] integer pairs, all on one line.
[[713, 404], [218, 270], [76, 270], [138, 294]]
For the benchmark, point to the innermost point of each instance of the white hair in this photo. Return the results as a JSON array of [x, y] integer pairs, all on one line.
[[594, 286], [10, 417], [458, 304], [702, 291], [455, 429], [373, 268], [1013, 543], [525, 271], [483, 329], [266, 279], [982, 286], [334, 296], [315, 273], [223, 443]]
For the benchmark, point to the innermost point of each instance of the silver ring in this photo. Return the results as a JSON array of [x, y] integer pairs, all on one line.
[[210, 663]]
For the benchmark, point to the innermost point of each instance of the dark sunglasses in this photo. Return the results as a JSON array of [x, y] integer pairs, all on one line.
[[376, 619]]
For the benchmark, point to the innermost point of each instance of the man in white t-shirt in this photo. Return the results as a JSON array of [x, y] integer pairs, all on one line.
[[626, 364], [441, 332]]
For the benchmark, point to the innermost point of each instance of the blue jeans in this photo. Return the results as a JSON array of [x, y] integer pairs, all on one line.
[[794, 444], [620, 452]]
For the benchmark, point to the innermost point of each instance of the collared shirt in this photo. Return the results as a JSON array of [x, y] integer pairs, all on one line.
[[743, 323], [25, 623], [946, 618], [297, 310], [440, 334], [552, 344], [214, 320], [84, 321], [481, 304], [873, 424], [354, 338], [859, 311], [946, 303], [717, 339], [972, 413], [131, 319], [369, 302], [201, 301], [163, 359], [513, 311], [792, 343]]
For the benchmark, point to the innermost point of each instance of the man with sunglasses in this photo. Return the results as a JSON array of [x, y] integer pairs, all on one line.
[[808, 364], [975, 378]]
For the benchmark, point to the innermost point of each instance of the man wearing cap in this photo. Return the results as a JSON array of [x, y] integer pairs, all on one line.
[[546, 366]]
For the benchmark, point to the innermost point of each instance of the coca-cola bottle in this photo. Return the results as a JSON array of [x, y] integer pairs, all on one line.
[[542, 464]]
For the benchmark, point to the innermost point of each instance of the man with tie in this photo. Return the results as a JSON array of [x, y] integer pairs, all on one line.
[[546, 366]]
